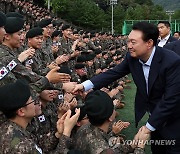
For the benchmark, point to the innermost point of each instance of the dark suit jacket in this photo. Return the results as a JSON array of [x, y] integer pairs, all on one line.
[[163, 99], [174, 46], [171, 39]]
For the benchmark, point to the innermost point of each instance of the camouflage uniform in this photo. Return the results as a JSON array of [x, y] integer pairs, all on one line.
[[37, 64], [14, 139], [46, 54], [7, 56], [91, 45], [90, 71], [66, 48], [92, 140], [43, 128]]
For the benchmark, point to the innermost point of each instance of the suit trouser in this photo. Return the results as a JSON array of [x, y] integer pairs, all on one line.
[[158, 146]]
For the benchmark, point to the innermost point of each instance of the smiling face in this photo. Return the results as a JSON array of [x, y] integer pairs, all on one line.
[[36, 42], [139, 48], [47, 95]]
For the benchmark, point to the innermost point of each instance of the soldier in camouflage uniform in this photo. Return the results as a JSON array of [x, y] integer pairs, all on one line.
[[14, 64], [67, 47], [35, 37], [47, 53], [43, 126], [93, 138], [14, 137], [90, 65]]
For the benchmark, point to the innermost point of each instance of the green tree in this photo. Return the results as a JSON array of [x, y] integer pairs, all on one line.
[[176, 15]]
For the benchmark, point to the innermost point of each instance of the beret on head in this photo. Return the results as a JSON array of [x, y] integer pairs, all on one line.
[[99, 106], [85, 36], [82, 112], [13, 24], [14, 95], [64, 27], [97, 51], [104, 53], [14, 14], [65, 69], [90, 57], [81, 58], [45, 22], [79, 66], [55, 33], [34, 32], [2, 19]]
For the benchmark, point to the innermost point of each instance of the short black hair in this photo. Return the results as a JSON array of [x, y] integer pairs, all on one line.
[[166, 23], [149, 31], [177, 32]]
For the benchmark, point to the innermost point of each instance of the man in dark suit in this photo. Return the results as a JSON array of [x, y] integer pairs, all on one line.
[[164, 33], [174, 46], [156, 73]]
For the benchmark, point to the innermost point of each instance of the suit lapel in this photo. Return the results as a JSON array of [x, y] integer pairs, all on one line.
[[154, 69], [140, 79]]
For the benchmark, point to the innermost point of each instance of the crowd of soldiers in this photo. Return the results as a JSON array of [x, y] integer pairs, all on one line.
[[39, 64]]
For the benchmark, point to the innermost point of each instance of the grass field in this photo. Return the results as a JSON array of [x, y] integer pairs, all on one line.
[[127, 114]]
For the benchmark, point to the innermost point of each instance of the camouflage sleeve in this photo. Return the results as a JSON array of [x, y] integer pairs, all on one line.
[[40, 85], [121, 148], [139, 151], [92, 46], [48, 142], [21, 72], [63, 145]]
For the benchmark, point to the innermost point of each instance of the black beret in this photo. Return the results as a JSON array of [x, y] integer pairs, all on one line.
[[65, 69], [119, 58], [108, 61], [64, 27], [104, 52], [97, 51], [81, 59], [79, 66], [2, 19], [34, 32], [92, 35], [51, 87], [14, 95], [45, 22], [85, 36], [99, 106], [90, 57], [82, 112], [13, 24], [75, 32], [14, 14], [81, 32], [55, 33]]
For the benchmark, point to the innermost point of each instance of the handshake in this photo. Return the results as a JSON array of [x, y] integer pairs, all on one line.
[[73, 87]]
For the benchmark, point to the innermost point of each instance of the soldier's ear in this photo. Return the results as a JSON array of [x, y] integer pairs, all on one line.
[[20, 112], [78, 124], [7, 37]]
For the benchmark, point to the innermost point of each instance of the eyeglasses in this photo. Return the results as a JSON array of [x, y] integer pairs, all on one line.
[[36, 102]]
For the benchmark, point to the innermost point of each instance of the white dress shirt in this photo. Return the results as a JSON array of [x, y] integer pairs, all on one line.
[[163, 41]]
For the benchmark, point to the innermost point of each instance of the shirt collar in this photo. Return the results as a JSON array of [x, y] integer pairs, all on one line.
[[148, 63], [166, 38]]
